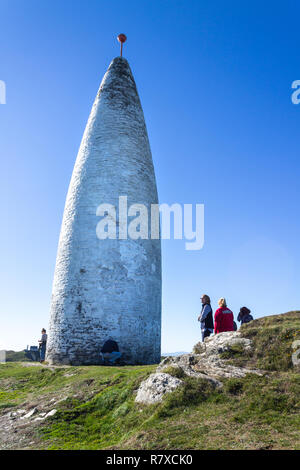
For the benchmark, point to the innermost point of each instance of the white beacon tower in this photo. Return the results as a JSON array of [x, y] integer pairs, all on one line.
[[108, 287]]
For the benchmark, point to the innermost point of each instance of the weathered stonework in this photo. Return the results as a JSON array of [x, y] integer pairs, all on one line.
[[108, 287]]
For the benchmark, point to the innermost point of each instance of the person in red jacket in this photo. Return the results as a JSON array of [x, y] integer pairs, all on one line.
[[223, 318]]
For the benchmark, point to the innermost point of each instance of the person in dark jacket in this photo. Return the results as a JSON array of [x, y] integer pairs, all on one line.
[[110, 351], [244, 315], [42, 345], [223, 318], [206, 317]]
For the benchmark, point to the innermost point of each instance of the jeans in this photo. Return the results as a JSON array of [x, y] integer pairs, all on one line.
[[111, 357], [205, 334], [43, 352]]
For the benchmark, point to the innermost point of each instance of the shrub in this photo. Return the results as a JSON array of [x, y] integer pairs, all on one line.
[[234, 386], [175, 372]]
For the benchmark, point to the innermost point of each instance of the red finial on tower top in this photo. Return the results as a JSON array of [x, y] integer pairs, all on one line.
[[122, 38]]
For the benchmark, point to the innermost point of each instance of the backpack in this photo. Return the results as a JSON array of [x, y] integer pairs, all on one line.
[[209, 322]]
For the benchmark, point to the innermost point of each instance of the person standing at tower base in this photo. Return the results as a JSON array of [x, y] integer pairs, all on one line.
[[42, 345]]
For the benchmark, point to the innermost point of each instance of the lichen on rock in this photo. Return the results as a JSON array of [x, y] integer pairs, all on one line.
[[207, 363], [155, 387]]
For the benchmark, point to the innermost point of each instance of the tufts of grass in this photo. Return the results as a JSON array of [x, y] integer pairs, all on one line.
[[177, 372], [272, 341], [190, 394], [251, 412], [234, 386], [198, 348], [266, 399], [236, 351], [98, 409], [110, 415]]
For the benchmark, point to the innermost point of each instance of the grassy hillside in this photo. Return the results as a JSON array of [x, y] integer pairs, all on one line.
[[15, 356], [272, 337], [96, 408]]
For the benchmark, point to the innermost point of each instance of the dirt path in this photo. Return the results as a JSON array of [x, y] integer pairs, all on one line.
[[47, 366]]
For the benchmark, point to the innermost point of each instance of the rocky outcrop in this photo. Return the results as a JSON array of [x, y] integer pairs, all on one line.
[[211, 362], [18, 428], [23, 415], [155, 387], [223, 342], [207, 363]]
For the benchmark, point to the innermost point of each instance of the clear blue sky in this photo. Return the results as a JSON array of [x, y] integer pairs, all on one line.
[[215, 81]]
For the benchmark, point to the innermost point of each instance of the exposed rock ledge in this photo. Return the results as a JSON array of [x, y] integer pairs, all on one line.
[[153, 389], [207, 364]]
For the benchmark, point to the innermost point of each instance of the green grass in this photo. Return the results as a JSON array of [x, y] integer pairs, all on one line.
[[272, 338], [102, 421], [177, 372], [98, 411]]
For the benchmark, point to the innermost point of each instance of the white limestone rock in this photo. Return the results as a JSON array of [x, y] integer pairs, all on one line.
[[186, 362], [208, 364], [153, 389], [43, 416], [224, 341], [30, 413], [51, 413]]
